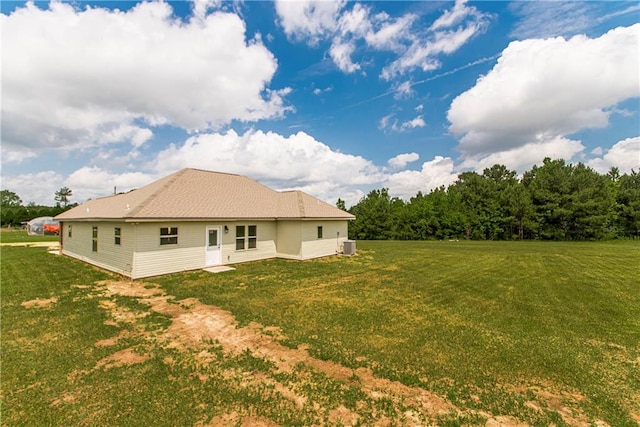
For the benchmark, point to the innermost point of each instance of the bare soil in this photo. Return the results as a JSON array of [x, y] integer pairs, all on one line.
[[195, 325]]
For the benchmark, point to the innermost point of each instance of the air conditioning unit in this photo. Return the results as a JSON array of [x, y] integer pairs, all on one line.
[[349, 247]]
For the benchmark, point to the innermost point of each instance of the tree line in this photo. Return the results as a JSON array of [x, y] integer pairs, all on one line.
[[554, 201], [14, 212]]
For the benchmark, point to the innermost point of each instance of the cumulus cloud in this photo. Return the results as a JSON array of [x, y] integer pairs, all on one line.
[[308, 19], [272, 158], [542, 90], [38, 188], [77, 78], [401, 160], [625, 155], [434, 173], [524, 157]]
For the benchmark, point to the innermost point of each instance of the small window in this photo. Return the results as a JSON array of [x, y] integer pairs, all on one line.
[[116, 235], [253, 236], [169, 235], [94, 239], [240, 238], [69, 230], [320, 232]]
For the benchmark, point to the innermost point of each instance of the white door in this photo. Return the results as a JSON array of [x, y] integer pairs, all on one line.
[[213, 246]]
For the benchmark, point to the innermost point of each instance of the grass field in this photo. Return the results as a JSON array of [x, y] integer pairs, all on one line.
[[406, 333], [20, 236]]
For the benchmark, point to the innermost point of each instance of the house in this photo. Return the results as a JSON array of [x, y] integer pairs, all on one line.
[[194, 219]]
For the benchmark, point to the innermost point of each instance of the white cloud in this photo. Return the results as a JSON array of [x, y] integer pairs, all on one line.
[[524, 157], [38, 188], [273, 159], [391, 35], [136, 135], [563, 18], [419, 108], [390, 123], [202, 7], [92, 182], [401, 160], [78, 78], [624, 155], [309, 19], [350, 29], [447, 34], [542, 90], [434, 173], [417, 122], [453, 16], [341, 54], [403, 90], [550, 19]]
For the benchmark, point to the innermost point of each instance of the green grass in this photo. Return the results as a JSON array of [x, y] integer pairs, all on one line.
[[19, 236], [493, 327]]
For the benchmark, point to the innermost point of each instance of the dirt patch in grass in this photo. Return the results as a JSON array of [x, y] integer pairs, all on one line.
[[39, 302], [195, 324], [123, 357]]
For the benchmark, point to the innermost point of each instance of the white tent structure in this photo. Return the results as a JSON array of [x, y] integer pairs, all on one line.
[[43, 225]]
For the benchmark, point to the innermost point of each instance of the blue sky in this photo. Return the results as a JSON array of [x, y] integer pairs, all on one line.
[[334, 98]]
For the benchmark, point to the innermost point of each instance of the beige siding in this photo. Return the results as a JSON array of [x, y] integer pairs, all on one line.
[[117, 258], [265, 247], [334, 233], [289, 239], [152, 259], [141, 255]]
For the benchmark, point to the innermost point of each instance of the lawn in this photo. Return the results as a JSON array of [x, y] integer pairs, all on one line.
[[20, 236], [406, 333]]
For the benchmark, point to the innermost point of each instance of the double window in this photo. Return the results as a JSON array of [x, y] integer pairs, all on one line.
[[169, 235], [246, 237]]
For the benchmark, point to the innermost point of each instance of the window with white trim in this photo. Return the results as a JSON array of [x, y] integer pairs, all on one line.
[[116, 235], [69, 230], [246, 237], [168, 235]]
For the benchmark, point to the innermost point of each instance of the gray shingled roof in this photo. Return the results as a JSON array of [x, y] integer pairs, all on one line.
[[196, 194]]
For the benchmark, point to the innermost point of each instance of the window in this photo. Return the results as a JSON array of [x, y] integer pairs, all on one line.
[[320, 232], [169, 235], [246, 237], [94, 240], [116, 235], [69, 229], [239, 237], [253, 236]]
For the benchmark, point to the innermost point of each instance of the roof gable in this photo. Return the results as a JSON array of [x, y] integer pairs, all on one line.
[[199, 194]]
